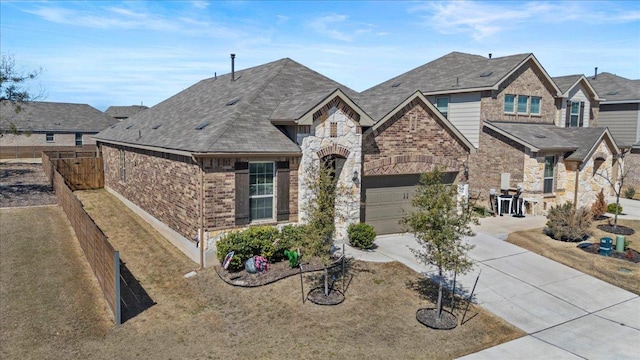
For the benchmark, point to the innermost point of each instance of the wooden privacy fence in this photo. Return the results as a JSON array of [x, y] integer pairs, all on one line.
[[103, 258], [25, 152], [82, 170]]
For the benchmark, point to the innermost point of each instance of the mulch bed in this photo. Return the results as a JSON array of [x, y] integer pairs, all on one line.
[[275, 272], [620, 230], [628, 254], [24, 185], [317, 296], [429, 317]]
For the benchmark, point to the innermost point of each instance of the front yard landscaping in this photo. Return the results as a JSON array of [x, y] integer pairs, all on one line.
[[619, 272]]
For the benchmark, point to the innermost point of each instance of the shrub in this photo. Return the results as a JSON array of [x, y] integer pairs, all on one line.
[[361, 235], [566, 223], [256, 240], [599, 207], [612, 208], [291, 237], [630, 193]]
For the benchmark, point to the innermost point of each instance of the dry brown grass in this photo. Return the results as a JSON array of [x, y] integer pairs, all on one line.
[[603, 268], [203, 317]]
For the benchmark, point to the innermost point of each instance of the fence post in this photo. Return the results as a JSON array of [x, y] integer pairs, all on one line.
[[116, 266]]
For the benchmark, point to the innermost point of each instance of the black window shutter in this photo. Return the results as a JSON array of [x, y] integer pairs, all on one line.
[[242, 193], [282, 174], [567, 122], [581, 113]]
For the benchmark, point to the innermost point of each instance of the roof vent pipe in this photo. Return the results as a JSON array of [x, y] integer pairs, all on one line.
[[595, 75], [233, 66], [490, 56]]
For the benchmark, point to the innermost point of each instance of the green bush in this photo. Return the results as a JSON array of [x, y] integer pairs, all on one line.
[[361, 235], [630, 193], [263, 240], [566, 223], [256, 240], [611, 208]]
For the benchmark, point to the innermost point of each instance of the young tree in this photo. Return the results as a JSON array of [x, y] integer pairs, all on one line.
[[617, 184], [439, 223], [321, 215], [14, 89]]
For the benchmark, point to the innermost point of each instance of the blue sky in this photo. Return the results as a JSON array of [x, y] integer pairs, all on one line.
[[124, 53]]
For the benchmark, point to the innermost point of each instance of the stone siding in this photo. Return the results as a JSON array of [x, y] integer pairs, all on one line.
[[632, 169], [163, 185], [589, 183], [336, 132], [528, 80], [411, 142]]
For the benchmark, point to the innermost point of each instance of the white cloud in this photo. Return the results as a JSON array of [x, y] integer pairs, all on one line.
[[200, 4], [281, 19], [326, 25]]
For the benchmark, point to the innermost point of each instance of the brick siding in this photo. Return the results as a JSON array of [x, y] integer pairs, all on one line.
[[413, 133], [529, 81]]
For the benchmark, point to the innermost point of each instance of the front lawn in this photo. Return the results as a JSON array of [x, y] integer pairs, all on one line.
[[622, 273]]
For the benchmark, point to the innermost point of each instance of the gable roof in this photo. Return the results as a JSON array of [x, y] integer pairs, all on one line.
[[444, 121], [616, 89], [568, 82], [218, 115], [453, 73], [124, 111], [581, 142], [40, 116]]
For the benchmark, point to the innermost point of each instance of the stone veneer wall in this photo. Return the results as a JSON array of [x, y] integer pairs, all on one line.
[[533, 182], [589, 184], [497, 154], [163, 185], [347, 142], [632, 167], [412, 142], [528, 80]]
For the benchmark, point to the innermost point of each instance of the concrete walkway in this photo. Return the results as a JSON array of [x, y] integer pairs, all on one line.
[[566, 313]]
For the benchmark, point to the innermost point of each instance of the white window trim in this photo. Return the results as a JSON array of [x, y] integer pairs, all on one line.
[[571, 114], [517, 109], [553, 176], [514, 103], [53, 137], [448, 102], [81, 139], [539, 105], [272, 195]]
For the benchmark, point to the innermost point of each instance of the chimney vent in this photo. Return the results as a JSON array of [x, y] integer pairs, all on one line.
[[233, 67], [490, 56], [595, 75]]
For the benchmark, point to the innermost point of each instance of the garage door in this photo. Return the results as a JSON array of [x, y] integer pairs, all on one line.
[[388, 198]]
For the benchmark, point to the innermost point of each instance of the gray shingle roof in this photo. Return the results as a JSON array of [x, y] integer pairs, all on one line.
[[42, 116], [454, 72], [615, 88], [548, 137], [566, 82], [124, 111], [236, 113]]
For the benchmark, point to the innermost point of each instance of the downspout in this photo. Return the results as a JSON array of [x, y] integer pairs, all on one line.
[[202, 241], [575, 194]]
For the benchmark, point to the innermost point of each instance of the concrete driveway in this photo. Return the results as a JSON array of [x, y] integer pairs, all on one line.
[[566, 314]]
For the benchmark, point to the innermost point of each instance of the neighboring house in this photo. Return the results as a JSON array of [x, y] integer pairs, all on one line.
[[237, 149], [579, 104], [620, 112], [473, 92], [124, 112], [45, 124]]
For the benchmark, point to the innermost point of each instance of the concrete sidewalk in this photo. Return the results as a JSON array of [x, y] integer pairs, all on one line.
[[566, 314]]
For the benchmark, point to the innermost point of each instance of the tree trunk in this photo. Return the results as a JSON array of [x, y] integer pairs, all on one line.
[[326, 282], [439, 305]]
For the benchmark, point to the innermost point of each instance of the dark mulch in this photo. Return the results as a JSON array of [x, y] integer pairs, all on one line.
[[24, 185], [620, 230], [318, 297], [628, 254], [276, 271], [429, 317]]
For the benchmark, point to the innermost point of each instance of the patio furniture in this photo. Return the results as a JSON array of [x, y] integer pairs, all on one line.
[[505, 199]]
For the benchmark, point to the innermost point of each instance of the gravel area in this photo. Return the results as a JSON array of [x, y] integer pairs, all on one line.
[[24, 185]]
